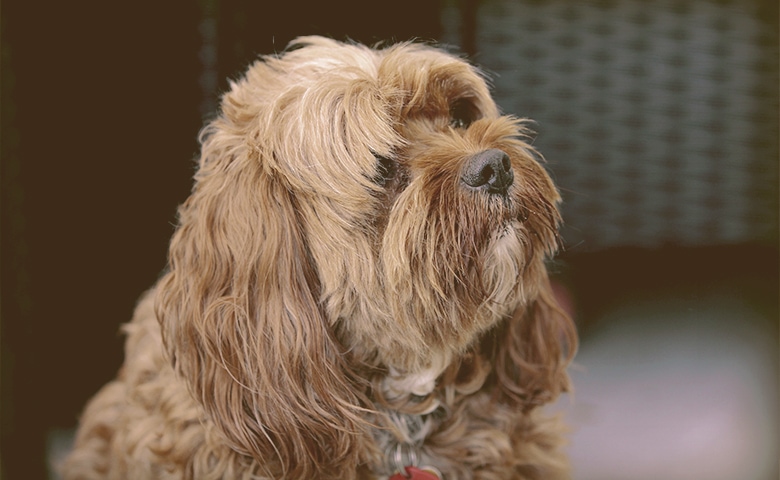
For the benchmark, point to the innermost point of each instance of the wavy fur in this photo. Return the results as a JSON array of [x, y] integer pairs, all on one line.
[[334, 291]]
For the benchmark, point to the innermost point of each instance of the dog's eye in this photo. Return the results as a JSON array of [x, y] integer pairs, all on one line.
[[385, 170], [462, 113]]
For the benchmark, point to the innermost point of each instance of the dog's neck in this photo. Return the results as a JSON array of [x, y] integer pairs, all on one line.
[[398, 385], [402, 442]]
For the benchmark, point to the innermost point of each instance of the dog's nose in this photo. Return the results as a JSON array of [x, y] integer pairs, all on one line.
[[490, 171]]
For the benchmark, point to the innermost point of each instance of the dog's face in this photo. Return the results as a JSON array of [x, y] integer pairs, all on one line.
[[426, 215], [351, 206]]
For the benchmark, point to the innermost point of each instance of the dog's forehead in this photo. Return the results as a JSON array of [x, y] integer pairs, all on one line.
[[419, 67], [431, 81]]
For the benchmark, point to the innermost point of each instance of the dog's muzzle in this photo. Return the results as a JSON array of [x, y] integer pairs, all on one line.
[[489, 171]]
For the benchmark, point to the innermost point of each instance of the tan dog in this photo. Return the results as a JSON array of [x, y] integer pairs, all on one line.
[[356, 288]]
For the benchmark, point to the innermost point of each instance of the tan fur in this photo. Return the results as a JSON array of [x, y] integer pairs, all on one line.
[[313, 318]]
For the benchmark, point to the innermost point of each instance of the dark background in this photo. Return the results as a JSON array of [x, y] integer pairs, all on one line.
[[101, 105]]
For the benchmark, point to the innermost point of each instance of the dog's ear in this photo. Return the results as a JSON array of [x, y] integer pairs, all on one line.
[[241, 322], [531, 351]]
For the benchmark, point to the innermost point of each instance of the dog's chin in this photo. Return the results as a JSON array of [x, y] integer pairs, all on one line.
[[510, 228], [505, 260]]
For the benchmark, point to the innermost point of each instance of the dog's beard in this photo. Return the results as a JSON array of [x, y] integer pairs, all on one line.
[[456, 261]]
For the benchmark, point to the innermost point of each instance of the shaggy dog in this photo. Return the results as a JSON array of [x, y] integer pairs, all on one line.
[[356, 288]]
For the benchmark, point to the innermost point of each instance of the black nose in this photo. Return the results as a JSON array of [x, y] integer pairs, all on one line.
[[490, 171]]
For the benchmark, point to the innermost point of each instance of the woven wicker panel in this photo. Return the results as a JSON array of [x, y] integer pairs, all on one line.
[[658, 119]]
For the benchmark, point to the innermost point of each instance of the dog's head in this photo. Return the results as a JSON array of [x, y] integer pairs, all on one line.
[[356, 212]]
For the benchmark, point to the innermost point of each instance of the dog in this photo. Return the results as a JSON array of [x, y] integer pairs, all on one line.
[[357, 287]]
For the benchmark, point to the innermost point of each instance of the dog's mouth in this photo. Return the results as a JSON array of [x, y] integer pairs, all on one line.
[[507, 211]]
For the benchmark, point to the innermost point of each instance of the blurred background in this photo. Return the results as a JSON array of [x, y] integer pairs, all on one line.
[[659, 122]]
